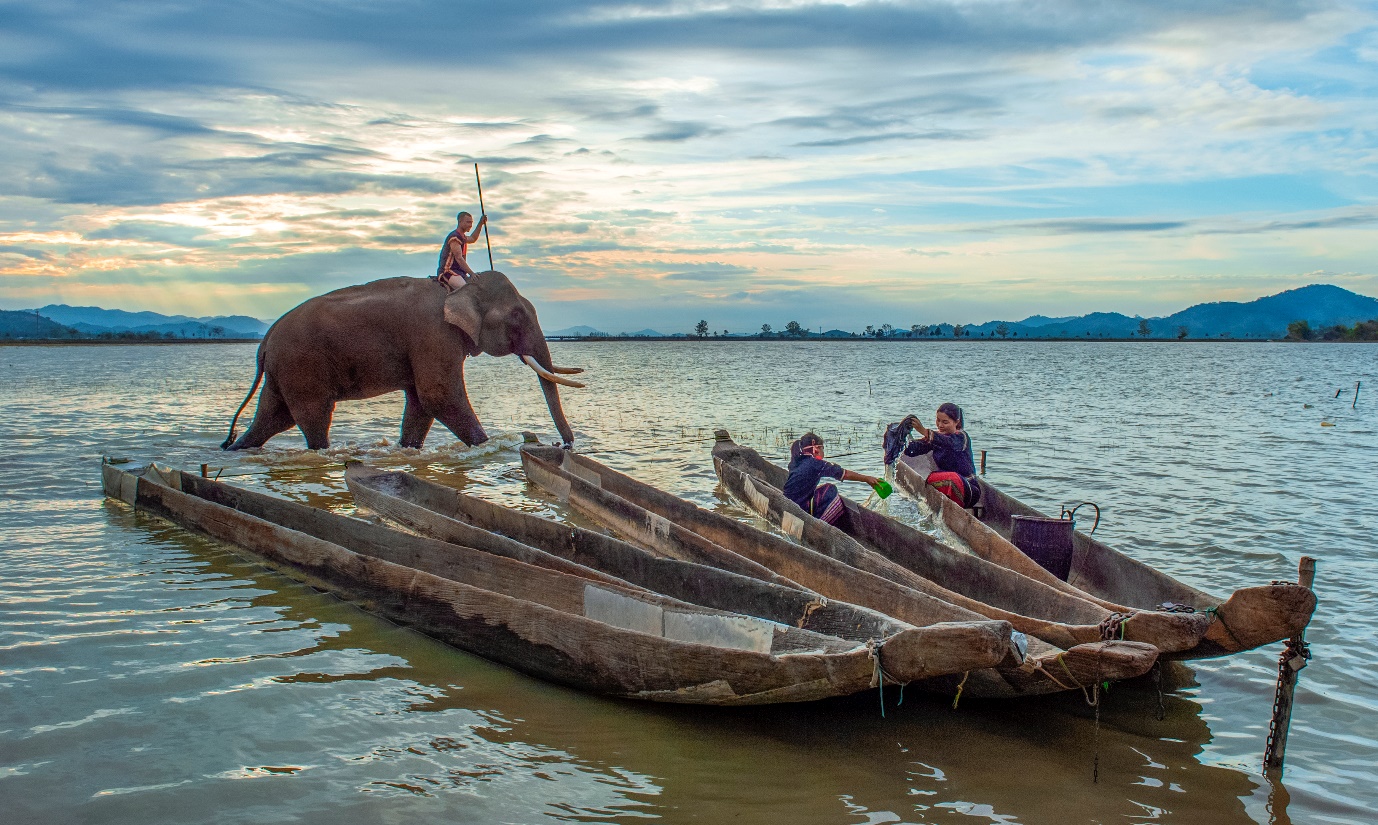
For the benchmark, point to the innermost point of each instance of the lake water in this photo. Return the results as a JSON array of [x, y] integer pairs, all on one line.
[[149, 675]]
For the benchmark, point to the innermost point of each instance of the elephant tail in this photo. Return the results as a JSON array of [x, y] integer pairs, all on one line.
[[258, 376]]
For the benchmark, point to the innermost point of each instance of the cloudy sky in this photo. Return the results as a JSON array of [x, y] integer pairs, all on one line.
[[648, 164]]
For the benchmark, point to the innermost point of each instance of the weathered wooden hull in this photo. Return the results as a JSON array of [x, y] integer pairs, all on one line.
[[903, 554], [445, 513], [653, 518], [1249, 618], [582, 631]]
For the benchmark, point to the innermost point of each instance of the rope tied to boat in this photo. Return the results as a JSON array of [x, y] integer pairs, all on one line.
[[878, 675], [960, 685], [1161, 712], [1046, 672], [1095, 739]]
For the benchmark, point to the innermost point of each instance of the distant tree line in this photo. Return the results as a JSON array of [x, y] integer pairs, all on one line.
[[56, 333], [1296, 331], [1362, 331]]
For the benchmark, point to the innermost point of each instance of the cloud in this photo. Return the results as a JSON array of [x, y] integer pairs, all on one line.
[[1329, 222], [149, 231], [1093, 225], [710, 272], [159, 123], [944, 134], [671, 151], [25, 251], [673, 132], [108, 178]]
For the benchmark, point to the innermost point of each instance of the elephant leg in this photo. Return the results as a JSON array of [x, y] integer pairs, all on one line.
[[440, 388], [313, 418], [459, 417], [416, 421], [271, 417]]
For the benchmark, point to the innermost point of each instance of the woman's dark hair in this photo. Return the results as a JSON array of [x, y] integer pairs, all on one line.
[[806, 440], [952, 411]]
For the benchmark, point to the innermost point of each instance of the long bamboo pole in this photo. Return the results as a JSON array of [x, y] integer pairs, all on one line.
[[483, 212]]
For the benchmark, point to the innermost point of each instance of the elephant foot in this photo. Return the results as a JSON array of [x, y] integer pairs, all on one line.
[[471, 434]]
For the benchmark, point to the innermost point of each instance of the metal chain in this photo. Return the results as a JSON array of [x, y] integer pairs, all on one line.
[[1112, 626], [1295, 647]]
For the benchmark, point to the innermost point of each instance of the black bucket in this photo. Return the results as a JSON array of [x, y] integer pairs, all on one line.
[[1047, 541]]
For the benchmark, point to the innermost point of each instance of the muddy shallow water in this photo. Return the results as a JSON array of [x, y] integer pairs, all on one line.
[[150, 675]]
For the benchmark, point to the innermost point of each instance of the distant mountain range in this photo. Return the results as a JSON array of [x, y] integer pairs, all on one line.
[[97, 322], [593, 332], [1320, 305]]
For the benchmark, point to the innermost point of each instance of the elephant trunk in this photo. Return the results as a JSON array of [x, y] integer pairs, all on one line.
[[543, 367]]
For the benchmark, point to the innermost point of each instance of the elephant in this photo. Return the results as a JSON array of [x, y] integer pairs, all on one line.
[[408, 334]]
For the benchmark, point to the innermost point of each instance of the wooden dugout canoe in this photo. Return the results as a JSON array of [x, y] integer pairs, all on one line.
[[896, 551], [449, 515], [658, 521], [1249, 618], [585, 631]]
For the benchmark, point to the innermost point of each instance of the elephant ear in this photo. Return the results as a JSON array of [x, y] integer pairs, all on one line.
[[462, 310]]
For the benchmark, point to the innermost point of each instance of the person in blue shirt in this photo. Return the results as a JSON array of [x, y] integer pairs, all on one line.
[[951, 448], [807, 469]]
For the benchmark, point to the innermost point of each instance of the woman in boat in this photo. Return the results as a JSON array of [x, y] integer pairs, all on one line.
[[805, 486], [951, 449]]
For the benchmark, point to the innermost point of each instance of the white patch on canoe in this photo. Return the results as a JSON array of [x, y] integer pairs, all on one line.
[[715, 630], [792, 525], [658, 526], [556, 485], [735, 632], [581, 472], [757, 499], [615, 609], [165, 476]]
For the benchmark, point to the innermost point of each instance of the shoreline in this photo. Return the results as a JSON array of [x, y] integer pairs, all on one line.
[[861, 340], [67, 342], [102, 342]]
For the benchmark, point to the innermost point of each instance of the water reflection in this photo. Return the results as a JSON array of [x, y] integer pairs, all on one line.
[[148, 675]]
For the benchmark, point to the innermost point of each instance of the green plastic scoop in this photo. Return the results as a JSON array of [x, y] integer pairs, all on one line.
[[883, 489]]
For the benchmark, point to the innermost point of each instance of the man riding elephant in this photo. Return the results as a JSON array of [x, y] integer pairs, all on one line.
[[454, 251], [404, 334]]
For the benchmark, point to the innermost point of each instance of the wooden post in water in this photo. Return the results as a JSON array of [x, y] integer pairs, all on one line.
[[983, 462], [205, 471], [1290, 663], [1355, 402]]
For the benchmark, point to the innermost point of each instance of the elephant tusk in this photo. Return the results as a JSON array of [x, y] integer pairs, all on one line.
[[547, 374], [566, 370]]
